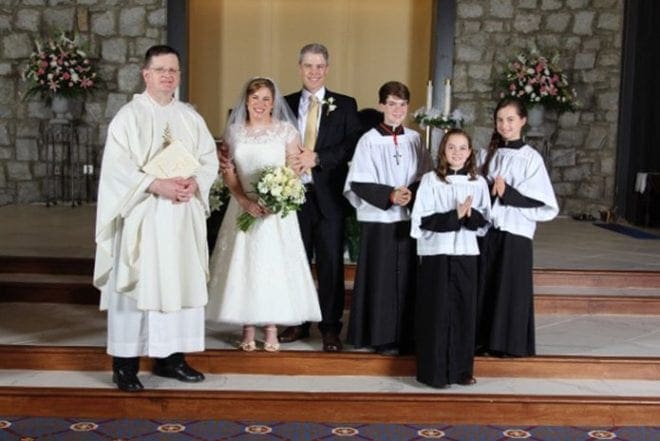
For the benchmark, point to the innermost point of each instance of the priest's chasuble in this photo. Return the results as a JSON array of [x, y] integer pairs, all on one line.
[[150, 249]]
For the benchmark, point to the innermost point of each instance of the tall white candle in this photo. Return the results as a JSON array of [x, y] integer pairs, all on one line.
[[429, 95], [447, 104]]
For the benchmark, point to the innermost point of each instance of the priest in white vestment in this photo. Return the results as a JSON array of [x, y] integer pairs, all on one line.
[[151, 257]]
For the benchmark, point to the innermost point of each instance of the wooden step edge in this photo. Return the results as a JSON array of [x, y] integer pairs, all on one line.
[[332, 407], [542, 276], [595, 305], [46, 265], [344, 363], [597, 278]]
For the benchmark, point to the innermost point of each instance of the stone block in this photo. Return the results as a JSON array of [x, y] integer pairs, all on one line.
[[592, 190], [5, 22], [27, 149], [527, 23], [6, 152], [568, 120], [5, 69], [4, 135], [28, 192], [82, 18], [607, 165], [7, 92], [471, 27], [132, 22], [18, 171], [605, 4], [579, 173], [564, 188], [141, 45], [570, 138], [3, 179], [7, 197], [501, 8], [609, 21], [583, 23], [93, 112], [557, 22], [39, 169], [480, 71], [608, 60], [60, 18], [104, 24], [562, 157], [469, 10], [597, 138], [577, 4], [469, 54], [584, 60], [38, 109], [493, 26], [528, 4], [129, 78], [550, 5], [114, 103], [17, 45], [157, 18], [608, 100], [114, 50], [28, 19]]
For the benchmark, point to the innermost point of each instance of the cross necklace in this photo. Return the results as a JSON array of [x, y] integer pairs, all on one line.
[[398, 130]]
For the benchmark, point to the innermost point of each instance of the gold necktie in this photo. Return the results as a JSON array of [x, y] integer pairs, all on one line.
[[310, 124]]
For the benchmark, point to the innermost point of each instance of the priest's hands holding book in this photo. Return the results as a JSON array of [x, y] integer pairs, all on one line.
[[178, 190]]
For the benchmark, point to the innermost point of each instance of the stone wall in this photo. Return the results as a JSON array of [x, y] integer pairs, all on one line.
[[118, 32], [489, 33], [587, 36]]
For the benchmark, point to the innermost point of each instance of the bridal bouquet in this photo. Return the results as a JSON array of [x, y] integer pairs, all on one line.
[[280, 190]]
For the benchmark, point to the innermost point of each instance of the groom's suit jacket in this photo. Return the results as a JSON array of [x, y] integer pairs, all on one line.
[[338, 133]]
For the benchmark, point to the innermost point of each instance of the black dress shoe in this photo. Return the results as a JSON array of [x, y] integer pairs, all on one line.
[[293, 333], [331, 342], [180, 371], [467, 380], [126, 380], [388, 349]]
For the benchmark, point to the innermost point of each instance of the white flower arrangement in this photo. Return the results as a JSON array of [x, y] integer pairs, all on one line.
[[280, 190], [60, 67], [434, 118], [330, 105], [539, 80], [218, 195]]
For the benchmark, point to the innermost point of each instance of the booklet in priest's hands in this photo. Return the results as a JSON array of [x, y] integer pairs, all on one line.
[[172, 161]]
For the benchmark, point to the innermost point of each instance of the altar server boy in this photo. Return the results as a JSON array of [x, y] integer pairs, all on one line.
[[388, 163]]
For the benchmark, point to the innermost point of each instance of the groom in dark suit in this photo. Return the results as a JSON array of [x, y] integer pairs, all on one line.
[[329, 125]]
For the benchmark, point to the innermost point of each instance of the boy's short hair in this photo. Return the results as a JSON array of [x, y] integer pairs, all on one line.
[[393, 88]]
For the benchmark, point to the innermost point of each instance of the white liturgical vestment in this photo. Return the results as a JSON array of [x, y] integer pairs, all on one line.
[[151, 257]]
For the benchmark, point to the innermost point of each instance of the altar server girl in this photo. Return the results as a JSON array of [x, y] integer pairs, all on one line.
[[388, 163], [522, 196], [451, 209]]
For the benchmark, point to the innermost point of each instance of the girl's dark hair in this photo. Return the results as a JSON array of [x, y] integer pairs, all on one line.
[[496, 138], [443, 164]]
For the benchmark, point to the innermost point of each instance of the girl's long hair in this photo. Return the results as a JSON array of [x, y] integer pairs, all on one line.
[[496, 138], [443, 164]]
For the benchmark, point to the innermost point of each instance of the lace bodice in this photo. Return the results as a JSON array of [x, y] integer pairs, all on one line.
[[253, 148]]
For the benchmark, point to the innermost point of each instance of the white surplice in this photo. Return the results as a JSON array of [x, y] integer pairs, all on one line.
[[151, 257]]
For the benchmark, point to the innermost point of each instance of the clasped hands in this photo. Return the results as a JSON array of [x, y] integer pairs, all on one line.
[[499, 186], [178, 189], [401, 196], [465, 209]]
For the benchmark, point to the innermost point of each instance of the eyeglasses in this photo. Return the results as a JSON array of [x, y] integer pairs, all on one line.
[[163, 71]]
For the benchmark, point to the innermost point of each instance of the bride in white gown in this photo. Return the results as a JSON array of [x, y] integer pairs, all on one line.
[[260, 277]]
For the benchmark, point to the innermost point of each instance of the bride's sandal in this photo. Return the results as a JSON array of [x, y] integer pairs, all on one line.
[[271, 344], [247, 344]]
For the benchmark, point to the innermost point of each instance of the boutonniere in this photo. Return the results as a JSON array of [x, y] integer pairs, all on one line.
[[330, 105]]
